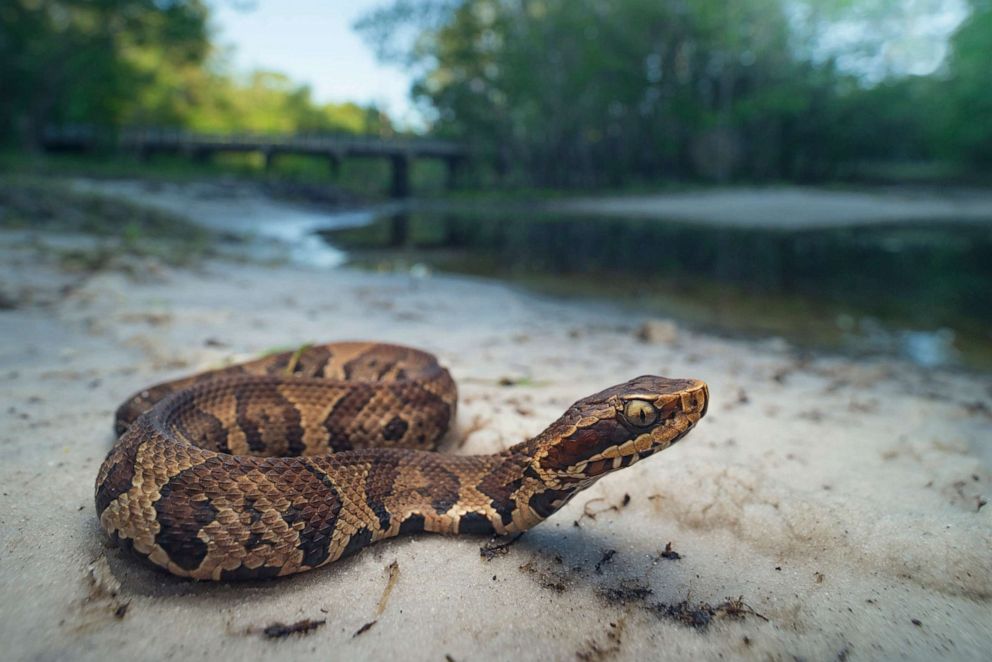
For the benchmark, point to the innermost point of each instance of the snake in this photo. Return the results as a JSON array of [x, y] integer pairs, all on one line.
[[290, 462]]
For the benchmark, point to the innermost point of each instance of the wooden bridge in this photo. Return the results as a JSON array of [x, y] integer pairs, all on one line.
[[400, 151]]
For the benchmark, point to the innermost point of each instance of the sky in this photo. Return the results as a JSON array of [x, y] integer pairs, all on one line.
[[911, 38], [313, 42]]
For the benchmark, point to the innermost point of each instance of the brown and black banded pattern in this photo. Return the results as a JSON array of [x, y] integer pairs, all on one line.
[[293, 461]]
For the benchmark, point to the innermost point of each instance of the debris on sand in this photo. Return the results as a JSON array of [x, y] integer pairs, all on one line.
[[280, 630], [607, 557], [597, 649], [393, 570], [365, 628], [590, 513], [626, 592], [700, 616], [497, 546]]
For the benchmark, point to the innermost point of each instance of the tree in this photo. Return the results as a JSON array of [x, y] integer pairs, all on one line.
[[77, 61], [965, 129], [589, 92]]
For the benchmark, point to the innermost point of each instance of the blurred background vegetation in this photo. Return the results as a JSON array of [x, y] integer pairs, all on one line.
[[551, 97], [626, 92], [638, 90], [119, 63]]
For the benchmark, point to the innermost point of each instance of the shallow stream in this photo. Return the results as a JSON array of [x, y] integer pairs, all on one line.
[[916, 289]]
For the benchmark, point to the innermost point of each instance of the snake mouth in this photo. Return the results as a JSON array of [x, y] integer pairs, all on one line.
[[703, 392], [625, 455]]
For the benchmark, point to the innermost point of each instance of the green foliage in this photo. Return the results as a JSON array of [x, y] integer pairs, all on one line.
[[208, 99], [965, 129], [113, 63], [72, 61], [556, 92], [587, 92], [633, 87]]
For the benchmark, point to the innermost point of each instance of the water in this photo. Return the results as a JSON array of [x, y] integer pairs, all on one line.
[[297, 232], [266, 229], [271, 230], [916, 289]]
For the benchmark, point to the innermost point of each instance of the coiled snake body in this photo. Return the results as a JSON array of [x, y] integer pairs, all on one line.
[[293, 461]]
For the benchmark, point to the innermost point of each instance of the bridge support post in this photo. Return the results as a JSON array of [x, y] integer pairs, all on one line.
[[334, 162], [400, 187], [269, 159], [399, 229], [454, 167]]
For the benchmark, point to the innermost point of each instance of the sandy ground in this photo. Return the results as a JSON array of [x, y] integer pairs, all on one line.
[[840, 501], [792, 207]]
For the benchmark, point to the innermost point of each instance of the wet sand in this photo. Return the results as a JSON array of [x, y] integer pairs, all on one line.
[[825, 508]]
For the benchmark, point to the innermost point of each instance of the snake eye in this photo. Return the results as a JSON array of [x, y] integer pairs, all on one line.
[[640, 413]]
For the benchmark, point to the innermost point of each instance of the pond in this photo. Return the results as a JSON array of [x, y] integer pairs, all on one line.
[[917, 289]]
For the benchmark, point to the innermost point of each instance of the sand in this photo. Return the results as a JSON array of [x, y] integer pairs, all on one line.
[[826, 507]]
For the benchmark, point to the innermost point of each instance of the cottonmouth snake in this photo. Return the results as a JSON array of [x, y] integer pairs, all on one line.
[[293, 461]]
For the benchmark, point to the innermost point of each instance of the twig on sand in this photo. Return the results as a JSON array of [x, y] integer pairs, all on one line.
[[591, 514], [365, 628], [394, 574]]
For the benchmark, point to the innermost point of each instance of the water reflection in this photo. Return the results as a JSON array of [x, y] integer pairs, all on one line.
[[917, 289]]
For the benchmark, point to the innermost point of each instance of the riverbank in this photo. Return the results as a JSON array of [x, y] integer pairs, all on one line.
[[826, 507], [861, 283]]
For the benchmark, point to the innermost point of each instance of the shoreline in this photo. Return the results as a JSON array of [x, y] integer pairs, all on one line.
[[840, 500], [280, 231]]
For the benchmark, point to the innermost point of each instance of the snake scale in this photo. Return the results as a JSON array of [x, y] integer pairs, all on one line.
[[292, 461]]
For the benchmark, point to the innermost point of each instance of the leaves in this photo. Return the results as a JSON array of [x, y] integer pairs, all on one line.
[[144, 63], [578, 93]]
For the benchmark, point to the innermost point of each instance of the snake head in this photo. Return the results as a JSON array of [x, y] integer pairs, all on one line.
[[617, 427]]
